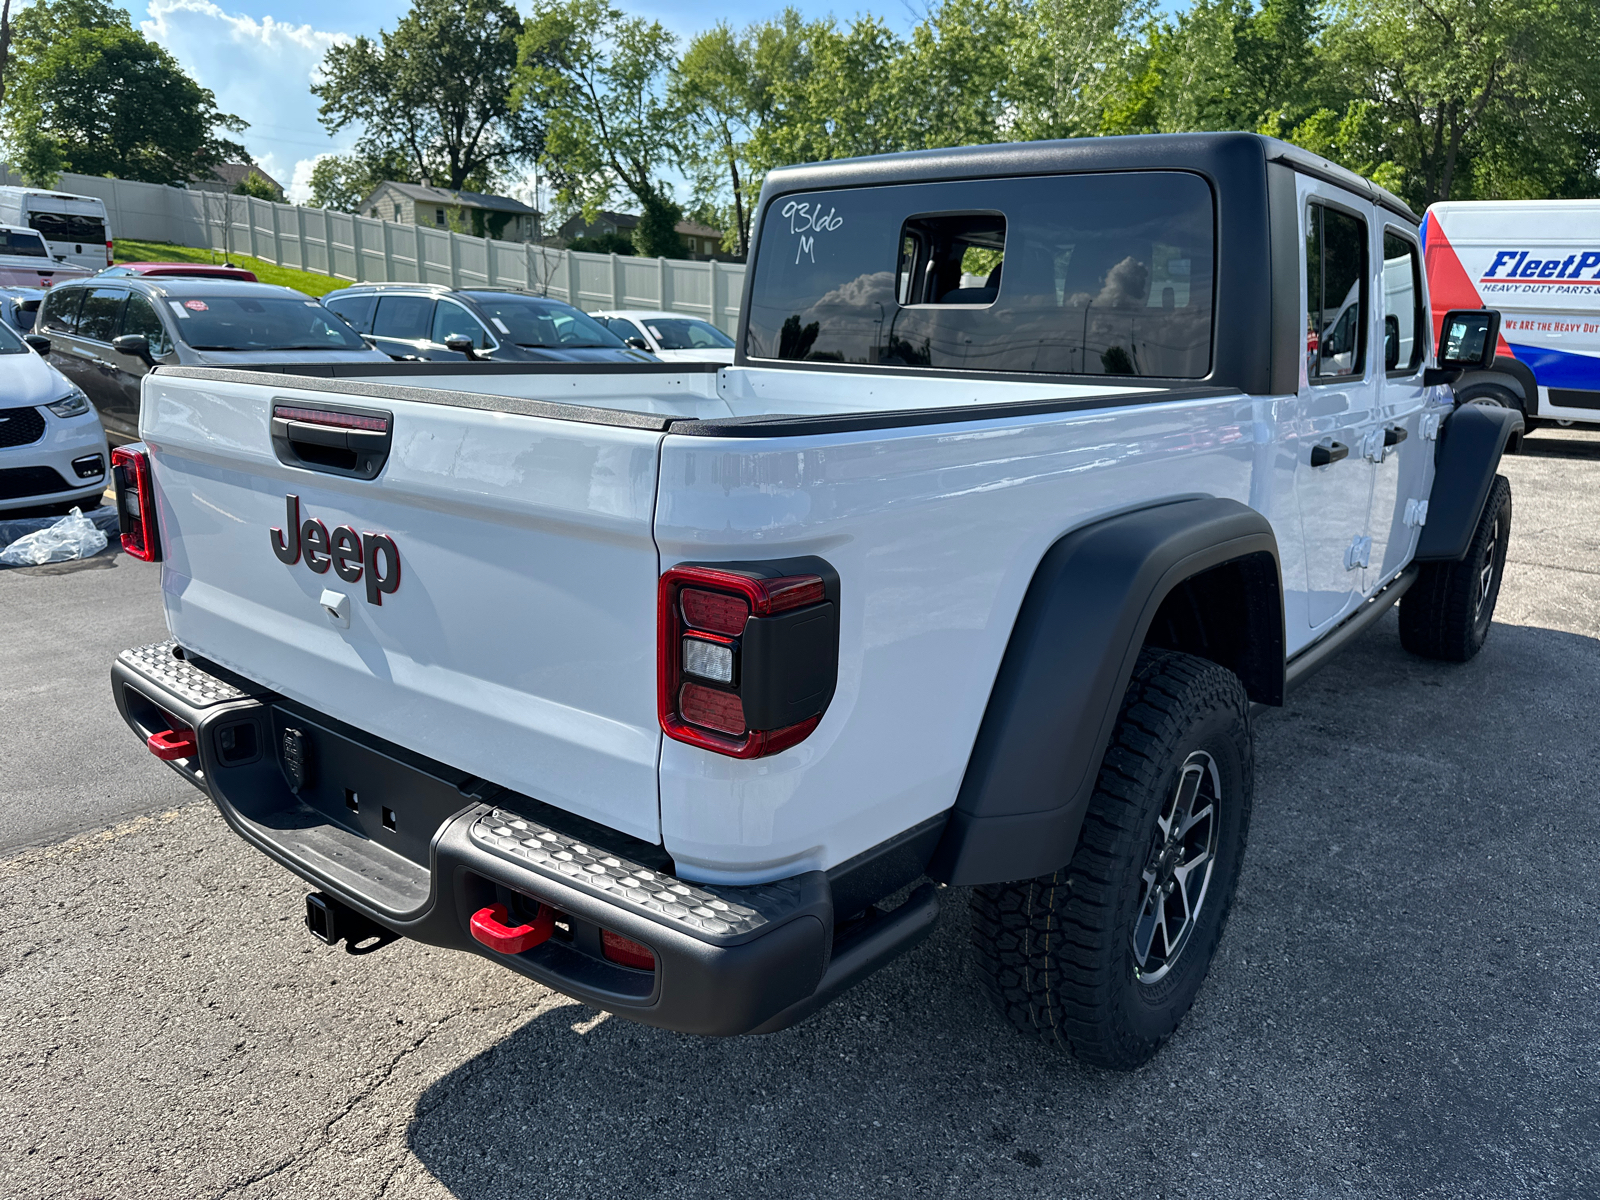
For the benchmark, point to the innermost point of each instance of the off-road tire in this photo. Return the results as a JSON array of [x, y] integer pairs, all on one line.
[[1056, 954], [1493, 395], [1447, 612]]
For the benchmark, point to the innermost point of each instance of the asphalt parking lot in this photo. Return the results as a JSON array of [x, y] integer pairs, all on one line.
[[1405, 1004]]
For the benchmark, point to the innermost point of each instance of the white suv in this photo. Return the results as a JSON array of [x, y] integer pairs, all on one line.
[[52, 448]]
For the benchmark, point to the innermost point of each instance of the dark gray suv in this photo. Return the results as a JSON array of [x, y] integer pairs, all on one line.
[[423, 321], [106, 333]]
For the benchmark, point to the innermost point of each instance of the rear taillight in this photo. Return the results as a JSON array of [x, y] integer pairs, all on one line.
[[626, 951], [748, 656], [136, 502], [110, 248]]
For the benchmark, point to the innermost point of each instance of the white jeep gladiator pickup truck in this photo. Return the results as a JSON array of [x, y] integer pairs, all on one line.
[[685, 689]]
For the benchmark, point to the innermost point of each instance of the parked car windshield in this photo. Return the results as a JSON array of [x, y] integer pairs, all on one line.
[[260, 323], [26, 245], [10, 343], [544, 324], [1097, 274], [685, 333]]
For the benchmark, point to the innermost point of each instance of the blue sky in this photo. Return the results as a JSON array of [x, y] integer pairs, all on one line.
[[258, 56]]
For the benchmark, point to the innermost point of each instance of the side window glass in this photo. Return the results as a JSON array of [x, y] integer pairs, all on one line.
[[140, 317], [1336, 294], [406, 317], [450, 319], [59, 312], [356, 310], [1404, 322], [97, 319]]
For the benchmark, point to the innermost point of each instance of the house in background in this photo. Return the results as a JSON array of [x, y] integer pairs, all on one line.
[[227, 176], [702, 241], [476, 213]]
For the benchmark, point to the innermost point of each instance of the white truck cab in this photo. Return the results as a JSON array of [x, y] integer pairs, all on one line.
[[688, 689]]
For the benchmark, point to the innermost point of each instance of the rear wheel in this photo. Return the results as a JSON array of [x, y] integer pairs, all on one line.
[[1104, 957], [1447, 612]]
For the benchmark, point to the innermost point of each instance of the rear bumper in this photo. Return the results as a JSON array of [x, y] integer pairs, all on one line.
[[419, 848]]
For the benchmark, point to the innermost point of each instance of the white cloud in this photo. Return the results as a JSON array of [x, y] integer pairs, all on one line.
[[260, 69]]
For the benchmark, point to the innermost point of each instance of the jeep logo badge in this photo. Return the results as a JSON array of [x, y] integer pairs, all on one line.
[[351, 555]]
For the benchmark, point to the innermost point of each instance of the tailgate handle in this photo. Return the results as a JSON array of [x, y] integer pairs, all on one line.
[[172, 743], [335, 439], [489, 927]]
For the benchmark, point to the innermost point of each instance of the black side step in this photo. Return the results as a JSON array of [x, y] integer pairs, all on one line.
[[1312, 658], [872, 945]]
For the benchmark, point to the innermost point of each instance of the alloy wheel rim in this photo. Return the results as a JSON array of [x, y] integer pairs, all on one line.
[[1177, 871], [1486, 571]]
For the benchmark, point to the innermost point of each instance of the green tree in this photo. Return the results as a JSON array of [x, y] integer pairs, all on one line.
[[715, 90], [1066, 64], [343, 181], [254, 184], [436, 93], [89, 93], [601, 77], [1461, 97]]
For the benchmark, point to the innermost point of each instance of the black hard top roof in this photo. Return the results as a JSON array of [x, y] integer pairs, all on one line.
[[1168, 151]]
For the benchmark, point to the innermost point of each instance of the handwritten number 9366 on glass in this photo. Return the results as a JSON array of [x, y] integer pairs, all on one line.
[[806, 219]]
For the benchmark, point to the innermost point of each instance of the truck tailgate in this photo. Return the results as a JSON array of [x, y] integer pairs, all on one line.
[[519, 644]]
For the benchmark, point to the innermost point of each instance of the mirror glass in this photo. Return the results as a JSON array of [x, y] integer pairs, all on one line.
[[1467, 338]]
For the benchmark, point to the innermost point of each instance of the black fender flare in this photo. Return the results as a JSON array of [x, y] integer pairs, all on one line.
[[1471, 442], [1066, 667], [1508, 369]]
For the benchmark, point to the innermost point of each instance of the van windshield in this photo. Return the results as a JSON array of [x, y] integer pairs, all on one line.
[[260, 323], [68, 227], [1095, 274]]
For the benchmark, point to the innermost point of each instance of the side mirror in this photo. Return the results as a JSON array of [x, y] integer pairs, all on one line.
[[134, 345], [461, 344], [637, 343], [1467, 342], [39, 342]]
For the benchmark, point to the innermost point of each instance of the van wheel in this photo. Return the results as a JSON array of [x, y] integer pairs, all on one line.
[[1104, 957], [1495, 396], [1447, 612]]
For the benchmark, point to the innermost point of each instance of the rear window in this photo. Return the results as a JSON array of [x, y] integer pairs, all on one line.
[[58, 313], [27, 245], [260, 323], [1107, 274], [68, 227]]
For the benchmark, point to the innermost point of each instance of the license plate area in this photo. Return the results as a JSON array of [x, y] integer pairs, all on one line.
[[381, 792]]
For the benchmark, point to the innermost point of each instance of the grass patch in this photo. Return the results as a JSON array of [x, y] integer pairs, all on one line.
[[308, 282]]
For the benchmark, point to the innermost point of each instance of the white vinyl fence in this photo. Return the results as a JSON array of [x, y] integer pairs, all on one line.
[[366, 250]]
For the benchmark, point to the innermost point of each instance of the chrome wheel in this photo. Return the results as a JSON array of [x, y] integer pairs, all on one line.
[[1183, 852]]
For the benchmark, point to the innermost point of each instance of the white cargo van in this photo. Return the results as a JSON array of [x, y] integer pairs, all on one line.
[[74, 227], [1538, 262]]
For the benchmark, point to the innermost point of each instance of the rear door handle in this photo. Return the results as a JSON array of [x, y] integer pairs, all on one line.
[[1324, 453], [1394, 435]]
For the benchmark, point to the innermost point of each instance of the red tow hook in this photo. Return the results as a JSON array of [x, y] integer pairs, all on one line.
[[172, 743], [489, 927]]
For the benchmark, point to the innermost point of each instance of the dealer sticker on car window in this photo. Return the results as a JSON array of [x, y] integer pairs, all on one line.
[[195, 305], [501, 326]]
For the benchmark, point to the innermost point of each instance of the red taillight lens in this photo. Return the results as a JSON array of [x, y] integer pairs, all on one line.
[[109, 250], [758, 667], [714, 611], [136, 502], [626, 951], [712, 708]]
